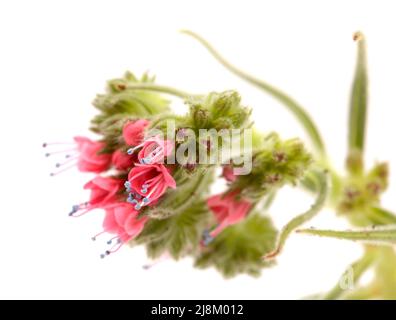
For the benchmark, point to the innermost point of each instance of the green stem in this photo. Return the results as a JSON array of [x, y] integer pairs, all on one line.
[[363, 293], [306, 216], [159, 88], [382, 235], [290, 103], [196, 190], [358, 268]]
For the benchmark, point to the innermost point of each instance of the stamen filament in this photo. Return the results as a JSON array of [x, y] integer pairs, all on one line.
[[46, 144], [52, 174], [60, 151]]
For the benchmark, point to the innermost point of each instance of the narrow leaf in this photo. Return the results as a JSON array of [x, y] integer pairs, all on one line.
[[358, 102], [379, 235], [296, 222]]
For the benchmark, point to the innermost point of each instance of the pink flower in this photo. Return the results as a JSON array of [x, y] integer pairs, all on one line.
[[133, 131], [153, 150], [122, 219], [103, 192], [228, 210], [150, 182], [89, 159], [228, 173], [123, 161]]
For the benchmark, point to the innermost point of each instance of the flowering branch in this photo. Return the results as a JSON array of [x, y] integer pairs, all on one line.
[[157, 88]]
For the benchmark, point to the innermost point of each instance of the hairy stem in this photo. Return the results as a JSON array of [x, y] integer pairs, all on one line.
[[380, 235], [356, 270], [159, 88]]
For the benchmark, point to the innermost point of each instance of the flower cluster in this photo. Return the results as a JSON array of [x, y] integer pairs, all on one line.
[[152, 195], [155, 169], [147, 180]]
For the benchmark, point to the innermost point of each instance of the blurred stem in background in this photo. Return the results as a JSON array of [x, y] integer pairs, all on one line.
[[382, 258], [293, 106], [298, 111]]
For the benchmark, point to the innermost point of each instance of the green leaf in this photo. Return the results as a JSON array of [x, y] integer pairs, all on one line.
[[297, 110], [240, 247], [120, 103], [380, 216], [178, 235], [379, 235], [358, 102], [322, 182]]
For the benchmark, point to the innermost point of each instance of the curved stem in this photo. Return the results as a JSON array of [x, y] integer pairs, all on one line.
[[157, 121], [290, 103], [159, 88], [321, 180], [196, 190]]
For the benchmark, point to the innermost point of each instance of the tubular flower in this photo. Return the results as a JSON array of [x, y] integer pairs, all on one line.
[[89, 159], [103, 192], [123, 161], [147, 183], [122, 220], [133, 131], [228, 210]]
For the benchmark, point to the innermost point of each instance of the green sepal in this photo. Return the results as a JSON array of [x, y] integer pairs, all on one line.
[[239, 248], [218, 111], [274, 164], [177, 235]]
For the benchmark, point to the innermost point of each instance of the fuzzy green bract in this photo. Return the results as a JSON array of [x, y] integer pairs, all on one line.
[[119, 104], [178, 235], [240, 248], [275, 163]]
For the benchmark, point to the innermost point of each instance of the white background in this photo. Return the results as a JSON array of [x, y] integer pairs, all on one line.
[[56, 55]]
